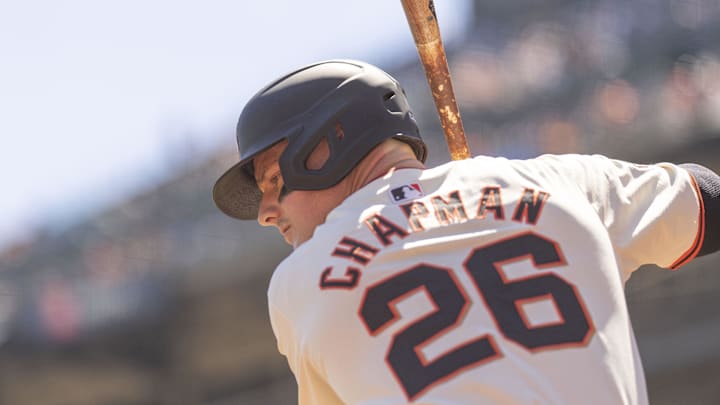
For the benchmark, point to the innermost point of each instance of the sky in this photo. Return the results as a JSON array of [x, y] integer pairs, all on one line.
[[97, 96]]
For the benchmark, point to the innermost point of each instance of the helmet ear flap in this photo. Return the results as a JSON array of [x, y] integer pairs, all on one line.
[[319, 155]]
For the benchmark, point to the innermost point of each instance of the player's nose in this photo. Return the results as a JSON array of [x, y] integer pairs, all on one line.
[[268, 212]]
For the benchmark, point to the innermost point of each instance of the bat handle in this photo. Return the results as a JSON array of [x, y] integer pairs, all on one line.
[[424, 26]]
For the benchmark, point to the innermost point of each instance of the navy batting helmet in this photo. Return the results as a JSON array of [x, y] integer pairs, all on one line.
[[353, 105]]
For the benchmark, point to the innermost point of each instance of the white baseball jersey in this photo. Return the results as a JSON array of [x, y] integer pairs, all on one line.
[[483, 281]]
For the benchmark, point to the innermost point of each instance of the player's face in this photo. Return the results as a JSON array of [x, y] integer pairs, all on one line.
[[295, 214]]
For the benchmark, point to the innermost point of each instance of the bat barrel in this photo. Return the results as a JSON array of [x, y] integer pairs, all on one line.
[[426, 33]]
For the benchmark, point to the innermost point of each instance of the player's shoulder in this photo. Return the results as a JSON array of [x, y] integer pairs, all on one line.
[[545, 157], [287, 278], [541, 163], [565, 159], [552, 161]]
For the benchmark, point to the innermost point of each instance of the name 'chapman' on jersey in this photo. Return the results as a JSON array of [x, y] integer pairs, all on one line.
[[437, 210]]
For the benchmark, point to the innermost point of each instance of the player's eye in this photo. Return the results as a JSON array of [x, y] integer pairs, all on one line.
[[275, 181], [271, 184]]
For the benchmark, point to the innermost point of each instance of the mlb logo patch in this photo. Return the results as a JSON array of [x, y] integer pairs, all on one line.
[[406, 192]]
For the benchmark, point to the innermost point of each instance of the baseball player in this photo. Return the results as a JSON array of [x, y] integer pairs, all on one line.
[[480, 281]]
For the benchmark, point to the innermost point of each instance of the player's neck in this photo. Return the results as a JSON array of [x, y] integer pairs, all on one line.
[[387, 157]]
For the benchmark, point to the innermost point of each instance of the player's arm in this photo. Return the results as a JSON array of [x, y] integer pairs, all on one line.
[[708, 184]]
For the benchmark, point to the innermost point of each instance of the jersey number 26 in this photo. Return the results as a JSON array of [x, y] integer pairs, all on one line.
[[502, 297]]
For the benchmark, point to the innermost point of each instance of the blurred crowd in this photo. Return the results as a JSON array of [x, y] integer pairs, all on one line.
[[592, 77], [127, 263]]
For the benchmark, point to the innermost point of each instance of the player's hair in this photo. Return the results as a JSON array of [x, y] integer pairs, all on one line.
[[351, 104]]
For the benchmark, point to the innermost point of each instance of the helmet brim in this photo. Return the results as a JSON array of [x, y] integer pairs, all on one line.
[[236, 194]]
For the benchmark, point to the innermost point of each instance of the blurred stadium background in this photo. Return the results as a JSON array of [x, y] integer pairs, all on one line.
[[161, 300]]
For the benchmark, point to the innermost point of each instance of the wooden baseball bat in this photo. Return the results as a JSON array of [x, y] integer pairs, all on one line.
[[426, 32]]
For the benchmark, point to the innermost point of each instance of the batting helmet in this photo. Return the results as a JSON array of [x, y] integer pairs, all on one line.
[[353, 105]]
